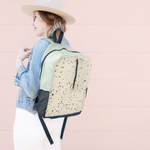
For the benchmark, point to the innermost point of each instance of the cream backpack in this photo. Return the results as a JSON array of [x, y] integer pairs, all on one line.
[[64, 78]]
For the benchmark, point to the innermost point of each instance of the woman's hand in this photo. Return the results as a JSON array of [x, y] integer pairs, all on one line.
[[23, 53]]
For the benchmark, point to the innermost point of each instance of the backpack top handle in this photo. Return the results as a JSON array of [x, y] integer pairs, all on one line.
[[60, 36]]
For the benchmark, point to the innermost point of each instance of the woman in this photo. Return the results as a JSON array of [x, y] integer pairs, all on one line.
[[28, 133]]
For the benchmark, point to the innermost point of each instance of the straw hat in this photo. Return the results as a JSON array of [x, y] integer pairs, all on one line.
[[54, 6]]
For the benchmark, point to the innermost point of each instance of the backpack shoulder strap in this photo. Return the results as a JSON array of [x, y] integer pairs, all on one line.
[[63, 127], [54, 39]]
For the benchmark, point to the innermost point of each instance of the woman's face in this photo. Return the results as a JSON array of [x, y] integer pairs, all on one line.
[[39, 25]]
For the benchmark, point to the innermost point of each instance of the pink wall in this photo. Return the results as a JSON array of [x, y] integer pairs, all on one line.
[[116, 35]]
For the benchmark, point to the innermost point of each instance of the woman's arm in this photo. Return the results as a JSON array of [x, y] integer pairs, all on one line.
[[18, 63], [28, 80]]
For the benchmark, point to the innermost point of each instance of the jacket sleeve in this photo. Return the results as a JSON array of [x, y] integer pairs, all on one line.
[[28, 80]]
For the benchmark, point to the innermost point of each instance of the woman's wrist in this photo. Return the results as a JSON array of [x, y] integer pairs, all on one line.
[[18, 63]]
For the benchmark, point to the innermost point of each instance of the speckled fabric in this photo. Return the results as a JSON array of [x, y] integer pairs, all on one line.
[[63, 98]]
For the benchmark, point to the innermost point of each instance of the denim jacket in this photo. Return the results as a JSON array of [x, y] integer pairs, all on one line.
[[28, 78]]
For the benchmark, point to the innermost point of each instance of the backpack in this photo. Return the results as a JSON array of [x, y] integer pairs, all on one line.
[[64, 77]]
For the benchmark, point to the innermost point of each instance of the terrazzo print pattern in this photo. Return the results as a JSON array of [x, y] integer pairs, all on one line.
[[63, 99]]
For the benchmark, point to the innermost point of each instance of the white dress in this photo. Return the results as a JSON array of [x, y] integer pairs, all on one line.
[[28, 133]]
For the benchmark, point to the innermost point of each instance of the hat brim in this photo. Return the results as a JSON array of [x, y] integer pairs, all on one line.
[[29, 9]]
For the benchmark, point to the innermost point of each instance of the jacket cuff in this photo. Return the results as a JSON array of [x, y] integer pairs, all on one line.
[[20, 70]]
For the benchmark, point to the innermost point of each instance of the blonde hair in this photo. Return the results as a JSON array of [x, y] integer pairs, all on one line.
[[54, 21]]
